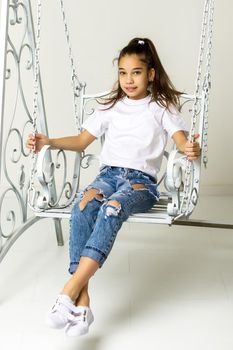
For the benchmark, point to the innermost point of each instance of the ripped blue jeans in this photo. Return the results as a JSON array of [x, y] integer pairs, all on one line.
[[93, 229]]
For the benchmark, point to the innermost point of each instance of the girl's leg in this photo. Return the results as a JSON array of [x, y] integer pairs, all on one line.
[[65, 312], [82, 221], [129, 199], [71, 309], [83, 217], [106, 227], [108, 223], [81, 225], [86, 269], [135, 198], [83, 299]]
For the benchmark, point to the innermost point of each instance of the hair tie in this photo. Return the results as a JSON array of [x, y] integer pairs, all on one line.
[[141, 42]]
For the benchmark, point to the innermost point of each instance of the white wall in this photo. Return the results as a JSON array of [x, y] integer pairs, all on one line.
[[99, 29]]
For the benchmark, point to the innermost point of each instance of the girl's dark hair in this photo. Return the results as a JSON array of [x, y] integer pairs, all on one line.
[[162, 89]]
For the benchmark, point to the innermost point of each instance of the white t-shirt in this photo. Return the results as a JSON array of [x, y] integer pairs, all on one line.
[[135, 133]]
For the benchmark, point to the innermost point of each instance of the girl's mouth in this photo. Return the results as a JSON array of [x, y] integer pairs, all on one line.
[[130, 89]]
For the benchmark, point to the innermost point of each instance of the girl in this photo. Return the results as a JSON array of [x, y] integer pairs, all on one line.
[[141, 111]]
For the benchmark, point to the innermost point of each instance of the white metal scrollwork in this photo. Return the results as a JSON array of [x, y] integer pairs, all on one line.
[[203, 84], [39, 200], [16, 61]]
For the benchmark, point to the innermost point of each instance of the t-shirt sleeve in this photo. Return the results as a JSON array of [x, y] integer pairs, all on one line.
[[173, 121], [97, 123]]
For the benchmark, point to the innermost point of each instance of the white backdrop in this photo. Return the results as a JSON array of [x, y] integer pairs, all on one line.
[[99, 29]]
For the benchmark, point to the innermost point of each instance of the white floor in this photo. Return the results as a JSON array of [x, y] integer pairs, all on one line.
[[162, 288]]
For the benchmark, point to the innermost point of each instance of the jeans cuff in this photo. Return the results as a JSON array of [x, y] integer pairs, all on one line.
[[73, 267]]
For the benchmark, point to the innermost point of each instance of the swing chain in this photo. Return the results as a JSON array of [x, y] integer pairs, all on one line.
[[207, 28], [201, 83], [207, 85], [36, 58], [76, 85]]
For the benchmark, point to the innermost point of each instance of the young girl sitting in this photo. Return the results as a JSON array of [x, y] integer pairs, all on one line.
[[138, 116]]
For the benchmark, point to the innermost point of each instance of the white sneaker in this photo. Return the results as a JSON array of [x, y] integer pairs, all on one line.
[[83, 318], [61, 312]]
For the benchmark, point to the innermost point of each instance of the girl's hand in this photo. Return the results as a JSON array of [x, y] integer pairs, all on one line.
[[36, 142], [192, 149]]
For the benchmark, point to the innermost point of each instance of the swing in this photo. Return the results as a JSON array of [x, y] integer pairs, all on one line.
[[181, 178]]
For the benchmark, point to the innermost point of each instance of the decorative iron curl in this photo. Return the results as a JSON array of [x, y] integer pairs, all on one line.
[[10, 215], [13, 148], [93, 98], [89, 110], [87, 159], [15, 157], [15, 6], [46, 175]]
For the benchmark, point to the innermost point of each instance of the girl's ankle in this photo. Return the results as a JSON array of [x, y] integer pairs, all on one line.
[[83, 301]]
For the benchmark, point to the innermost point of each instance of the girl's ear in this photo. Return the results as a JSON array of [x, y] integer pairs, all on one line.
[[151, 74]]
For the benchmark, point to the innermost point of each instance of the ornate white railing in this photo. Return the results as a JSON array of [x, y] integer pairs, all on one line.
[[17, 45]]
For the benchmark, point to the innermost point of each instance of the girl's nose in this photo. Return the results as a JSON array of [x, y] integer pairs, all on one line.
[[129, 78]]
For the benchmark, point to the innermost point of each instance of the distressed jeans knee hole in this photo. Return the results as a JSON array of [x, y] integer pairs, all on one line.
[[112, 209], [89, 196]]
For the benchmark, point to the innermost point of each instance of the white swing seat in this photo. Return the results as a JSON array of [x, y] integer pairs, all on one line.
[[157, 215], [166, 211]]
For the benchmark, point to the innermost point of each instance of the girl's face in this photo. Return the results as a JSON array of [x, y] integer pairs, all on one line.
[[134, 76]]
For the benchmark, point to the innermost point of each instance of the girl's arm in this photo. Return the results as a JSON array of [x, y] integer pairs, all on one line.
[[75, 143], [191, 149]]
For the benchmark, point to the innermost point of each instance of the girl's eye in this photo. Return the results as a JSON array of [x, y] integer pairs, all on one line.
[[121, 73], [137, 72]]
